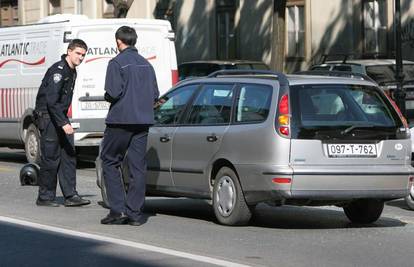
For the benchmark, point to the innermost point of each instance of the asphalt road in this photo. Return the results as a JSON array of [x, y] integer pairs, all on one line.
[[184, 232]]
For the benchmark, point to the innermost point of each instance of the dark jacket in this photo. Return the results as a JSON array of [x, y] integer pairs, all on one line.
[[131, 88], [56, 91]]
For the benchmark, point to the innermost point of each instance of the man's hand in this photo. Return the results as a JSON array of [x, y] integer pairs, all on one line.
[[67, 128]]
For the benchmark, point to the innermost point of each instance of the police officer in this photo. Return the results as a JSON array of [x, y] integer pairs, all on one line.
[[131, 88], [57, 148]]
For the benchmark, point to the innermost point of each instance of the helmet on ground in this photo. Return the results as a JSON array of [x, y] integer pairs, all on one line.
[[29, 174]]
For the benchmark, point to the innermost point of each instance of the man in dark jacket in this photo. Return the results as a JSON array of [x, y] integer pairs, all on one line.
[[131, 88], [58, 158]]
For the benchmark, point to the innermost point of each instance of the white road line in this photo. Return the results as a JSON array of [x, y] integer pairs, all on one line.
[[121, 242]]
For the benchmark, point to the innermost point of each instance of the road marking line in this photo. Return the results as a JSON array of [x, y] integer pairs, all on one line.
[[5, 169], [126, 243]]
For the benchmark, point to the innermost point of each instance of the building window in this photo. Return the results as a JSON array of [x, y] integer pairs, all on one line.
[[79, 7], [54, 7], [295, 31], [226, 29], [107, 9], [375, 26], [165, 10]]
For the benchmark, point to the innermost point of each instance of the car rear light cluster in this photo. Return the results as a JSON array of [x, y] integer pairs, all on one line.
[[284, 116], [404, 121]]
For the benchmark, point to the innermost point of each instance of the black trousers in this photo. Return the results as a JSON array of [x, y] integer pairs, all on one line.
[[58, 159], [117, 141]]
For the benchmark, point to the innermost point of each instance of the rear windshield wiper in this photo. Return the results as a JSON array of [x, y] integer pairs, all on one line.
[[353, 127]]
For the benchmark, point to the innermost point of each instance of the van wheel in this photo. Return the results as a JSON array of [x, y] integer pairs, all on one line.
[[364, 210], [410, 198], [32, 144], [229, 204]]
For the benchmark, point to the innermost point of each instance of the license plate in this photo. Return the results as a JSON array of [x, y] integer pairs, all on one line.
[[94, 105], [352, 150]]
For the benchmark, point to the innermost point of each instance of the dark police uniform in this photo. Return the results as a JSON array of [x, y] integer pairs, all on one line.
[[58, 158], [131, 88]]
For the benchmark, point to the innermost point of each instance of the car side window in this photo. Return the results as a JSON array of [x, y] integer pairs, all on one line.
[[212, 105], [170, 107], [253, 103]]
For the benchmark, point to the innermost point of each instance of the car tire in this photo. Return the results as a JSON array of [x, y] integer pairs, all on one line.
[[410, 198], [32, 144], [229, 204], [364, 210], [101, 180]]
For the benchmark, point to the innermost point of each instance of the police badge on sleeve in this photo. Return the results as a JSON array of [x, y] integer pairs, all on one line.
[[57, 77]]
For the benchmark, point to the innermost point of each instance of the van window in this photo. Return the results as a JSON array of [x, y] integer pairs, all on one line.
[[212, 105], [317, 108], [253, 103], [171, 106]]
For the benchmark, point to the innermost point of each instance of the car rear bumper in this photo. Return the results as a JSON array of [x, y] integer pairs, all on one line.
[[325, 183]]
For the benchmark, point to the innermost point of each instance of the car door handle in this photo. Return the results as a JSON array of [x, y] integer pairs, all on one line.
[[165, 139], [212, 138]]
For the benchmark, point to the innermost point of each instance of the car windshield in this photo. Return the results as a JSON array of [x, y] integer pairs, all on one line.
[[386, 73], [342, 111]]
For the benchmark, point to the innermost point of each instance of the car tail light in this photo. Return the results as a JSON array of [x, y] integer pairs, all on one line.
[[404, 121], [70, 112], [174, 77], [282, 180], [283, 119]]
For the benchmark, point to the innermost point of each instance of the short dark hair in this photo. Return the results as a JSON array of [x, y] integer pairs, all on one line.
[[77, 43], [127, 35]]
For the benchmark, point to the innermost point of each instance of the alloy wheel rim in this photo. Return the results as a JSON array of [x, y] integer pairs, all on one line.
[[225, 196], [412, 191], [32, 145]]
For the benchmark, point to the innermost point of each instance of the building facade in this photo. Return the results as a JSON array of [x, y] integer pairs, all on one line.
[[243, 29]]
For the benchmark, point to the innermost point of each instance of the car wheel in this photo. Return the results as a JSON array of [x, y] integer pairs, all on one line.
[[32, 144], [229, 204], [410, 198], [101, 182], [364, 210]]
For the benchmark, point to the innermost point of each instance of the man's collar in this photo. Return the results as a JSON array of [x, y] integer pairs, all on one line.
[[132, 48]]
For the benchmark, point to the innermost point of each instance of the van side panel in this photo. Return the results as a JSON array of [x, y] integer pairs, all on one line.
[[25, 55]]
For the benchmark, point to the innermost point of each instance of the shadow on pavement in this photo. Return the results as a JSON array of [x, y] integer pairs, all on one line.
[[285, 217], [23, 246], [399, 203]]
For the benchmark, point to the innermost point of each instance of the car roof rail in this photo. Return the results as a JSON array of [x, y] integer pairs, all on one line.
[[343, 57], [332, 73], [280, 76]]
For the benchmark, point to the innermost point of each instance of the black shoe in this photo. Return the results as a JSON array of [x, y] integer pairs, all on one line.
[[134, 222], [75, 201], [115, 219], [47, 203]]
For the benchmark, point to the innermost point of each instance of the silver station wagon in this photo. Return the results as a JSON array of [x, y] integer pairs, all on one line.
[[239, 138]]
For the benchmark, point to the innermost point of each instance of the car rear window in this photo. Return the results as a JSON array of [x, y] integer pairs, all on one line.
[[342, 111]]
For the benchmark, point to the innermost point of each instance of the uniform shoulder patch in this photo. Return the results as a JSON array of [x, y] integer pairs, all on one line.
[[57, 77]]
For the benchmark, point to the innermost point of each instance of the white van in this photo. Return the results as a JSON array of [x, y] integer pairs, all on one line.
[[26, 52]]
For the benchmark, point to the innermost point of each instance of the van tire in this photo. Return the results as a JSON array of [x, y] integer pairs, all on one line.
[[32, 144], [364, 210], [410, 198], [229, 204]]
